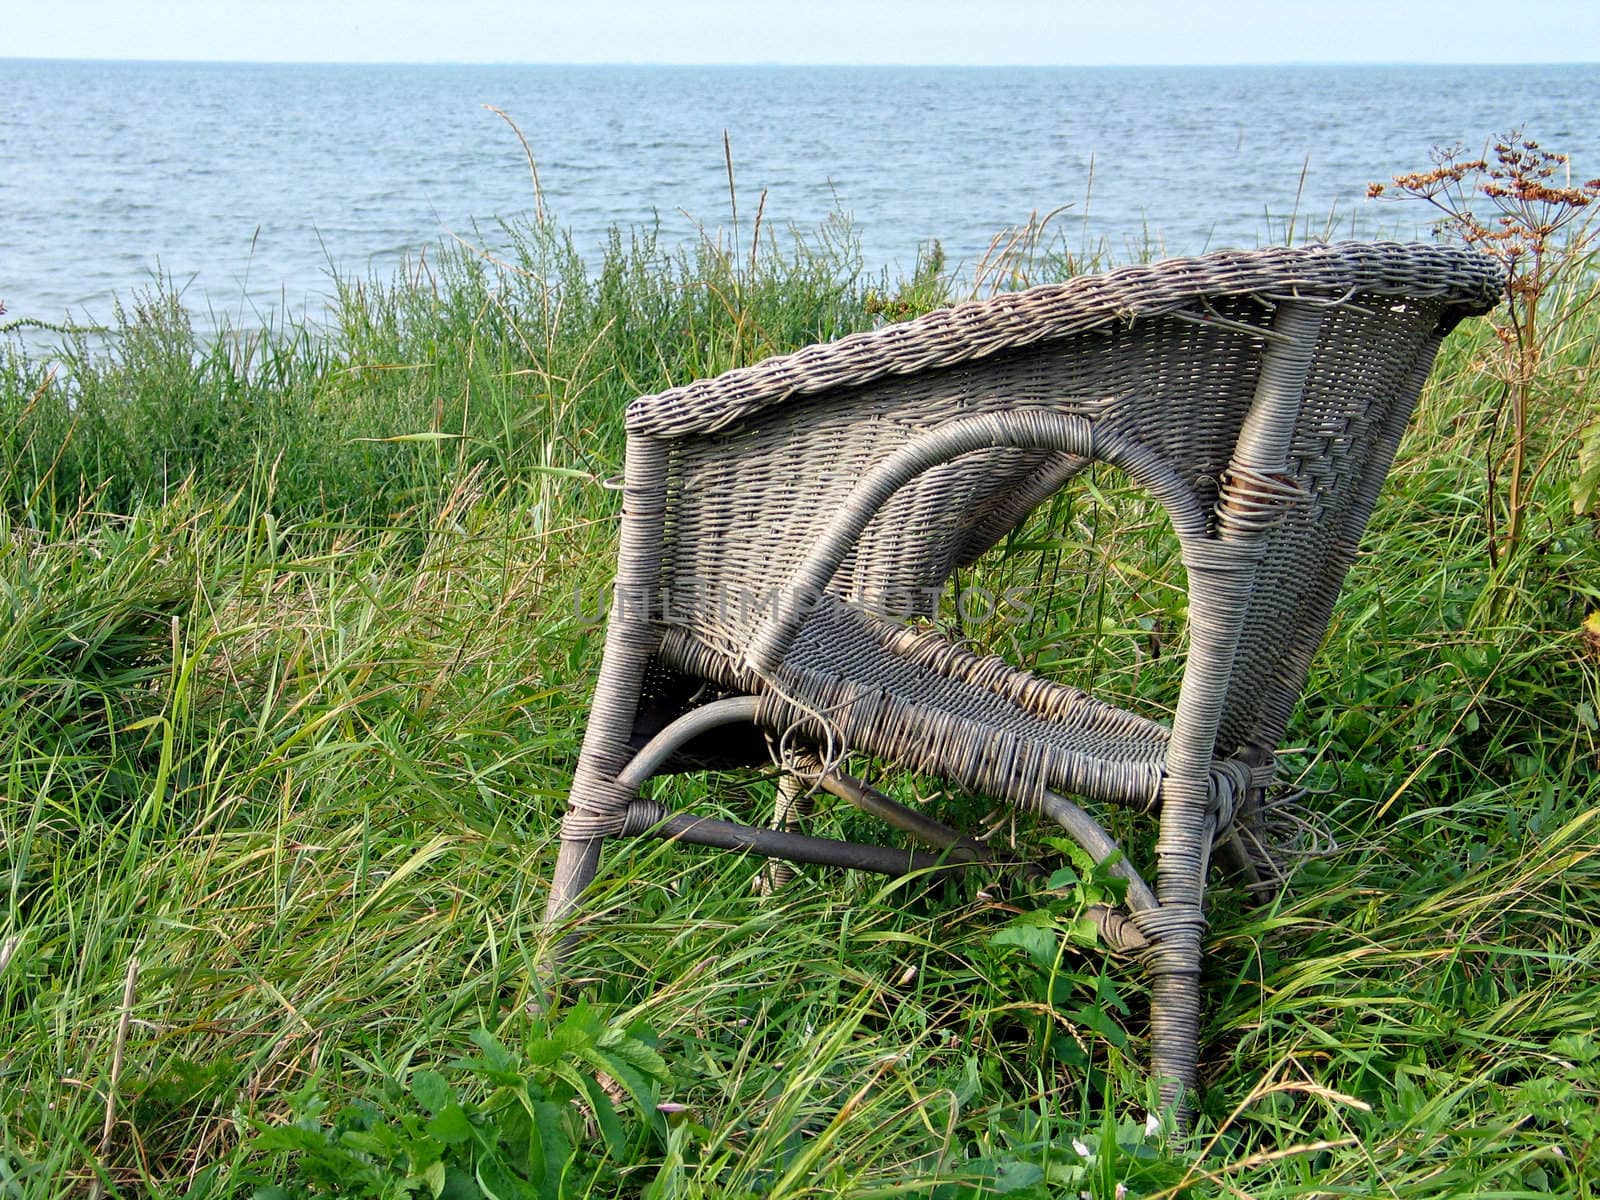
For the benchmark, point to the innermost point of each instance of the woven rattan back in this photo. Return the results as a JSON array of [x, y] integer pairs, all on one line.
[[747, 503]]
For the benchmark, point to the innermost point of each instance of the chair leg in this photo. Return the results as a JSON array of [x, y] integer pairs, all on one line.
[[1176, 930], [795, 803], [1174, 964], [610, 780], [1235, 861], [576, 864]]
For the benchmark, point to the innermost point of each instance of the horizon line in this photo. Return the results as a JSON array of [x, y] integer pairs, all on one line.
[[782, 64]]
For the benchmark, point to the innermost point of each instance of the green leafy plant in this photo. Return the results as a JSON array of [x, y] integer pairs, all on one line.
[[528, 1137], [1037, 1159], [927, 289], [1054, 986]]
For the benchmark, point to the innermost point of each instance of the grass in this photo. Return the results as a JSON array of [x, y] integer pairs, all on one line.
[[292, 678]]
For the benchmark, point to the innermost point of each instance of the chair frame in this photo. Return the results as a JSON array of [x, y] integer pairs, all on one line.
[[1247, 359]]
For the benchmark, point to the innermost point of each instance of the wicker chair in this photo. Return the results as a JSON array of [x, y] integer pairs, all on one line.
[[781, 521]]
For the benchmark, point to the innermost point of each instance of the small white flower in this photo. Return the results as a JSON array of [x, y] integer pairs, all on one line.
[[1083, 1151], [1152, 1125]]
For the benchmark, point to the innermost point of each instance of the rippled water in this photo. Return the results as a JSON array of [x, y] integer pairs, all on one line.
[[247, 184]]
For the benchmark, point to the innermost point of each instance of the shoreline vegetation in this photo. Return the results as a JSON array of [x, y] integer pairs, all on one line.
[[292, 680]]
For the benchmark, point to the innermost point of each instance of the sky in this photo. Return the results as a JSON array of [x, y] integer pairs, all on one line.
[[975, 32]]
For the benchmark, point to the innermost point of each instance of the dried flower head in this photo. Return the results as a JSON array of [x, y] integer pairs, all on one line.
[[1519, 205], [1530, 202]]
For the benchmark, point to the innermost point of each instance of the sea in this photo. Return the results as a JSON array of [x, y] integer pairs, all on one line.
[[251, 188]]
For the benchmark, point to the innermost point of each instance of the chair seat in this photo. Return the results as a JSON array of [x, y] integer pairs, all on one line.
[[904, 692]]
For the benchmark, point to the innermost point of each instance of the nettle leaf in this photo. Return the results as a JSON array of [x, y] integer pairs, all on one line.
[[497, 1183], [500, 1078], [509, 1125], [552, 1148], [605, 1116], [1094, 1019], [460, 1184], [1111, 885], [581, 1020], [381, 1141], [1039, 942], [642, 1031], [1002, 1177], [569, 1040], [1080, 857], [1014, 1176], [423, 1151], [451, 1125], [636, 1085], [494, 1054], [358, 1114], [1041, 917], [1082, 931], [546, 1052], [1063, 879], [431, 1090], [1105, 988], [290, 1137], [631, 1050]]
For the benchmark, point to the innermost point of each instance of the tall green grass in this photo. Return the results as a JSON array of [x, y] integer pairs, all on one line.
[[292, 679]]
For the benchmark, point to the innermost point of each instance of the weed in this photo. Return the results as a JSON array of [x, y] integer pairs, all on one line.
[[526, 1136], [1539, 227]]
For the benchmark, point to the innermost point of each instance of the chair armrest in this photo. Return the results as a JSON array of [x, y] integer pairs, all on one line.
[[1027, 428]]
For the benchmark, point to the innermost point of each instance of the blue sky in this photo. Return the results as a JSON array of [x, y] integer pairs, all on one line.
[[821, 31]]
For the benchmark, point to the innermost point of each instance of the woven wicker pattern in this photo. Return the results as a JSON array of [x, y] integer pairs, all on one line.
[[981, 328], [988, 725], [783, 523]]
